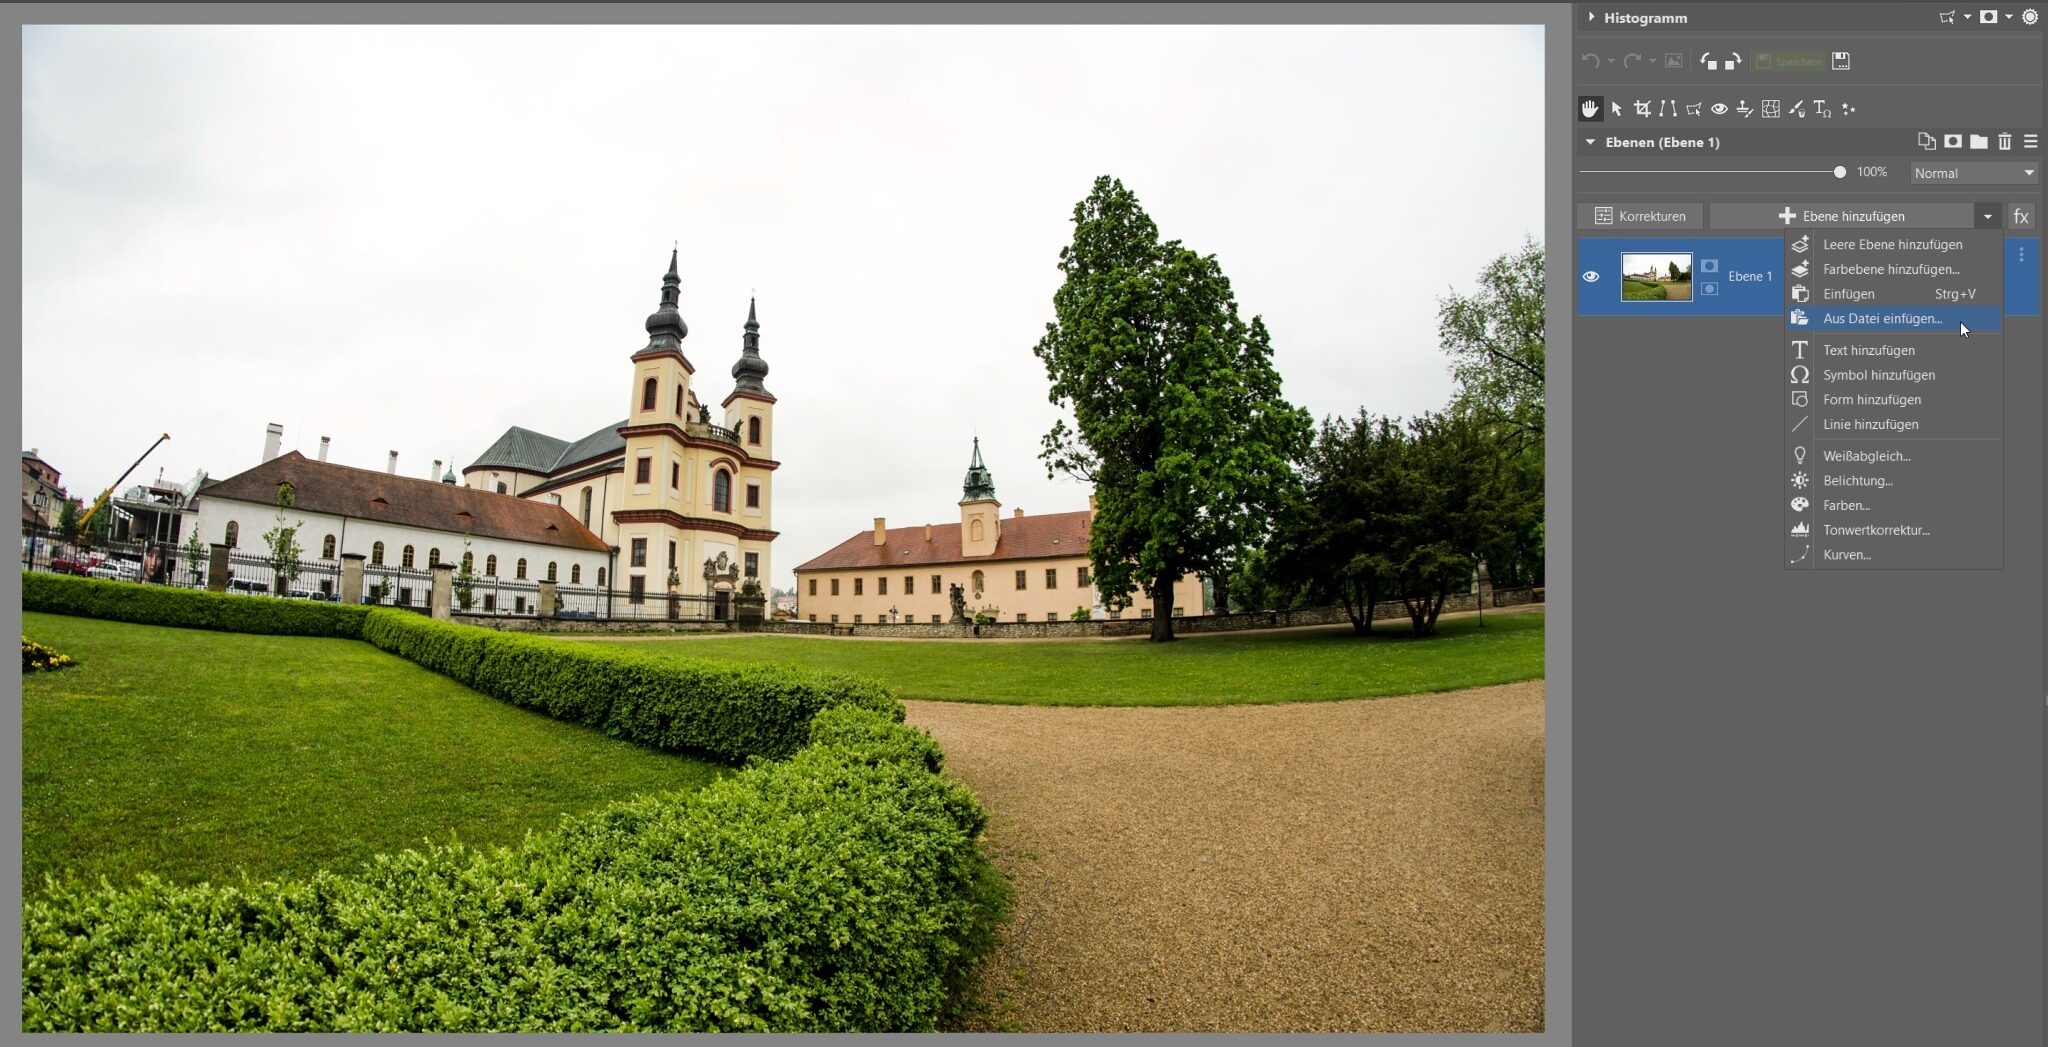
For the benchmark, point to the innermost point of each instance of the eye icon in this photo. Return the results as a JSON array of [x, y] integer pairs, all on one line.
[[1591, 276]]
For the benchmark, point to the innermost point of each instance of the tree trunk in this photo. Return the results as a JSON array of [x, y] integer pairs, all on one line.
[[1358, 606], [1162, 610]]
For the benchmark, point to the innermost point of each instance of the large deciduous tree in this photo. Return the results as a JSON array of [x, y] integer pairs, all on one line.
[[1342, 539], [1178, 418], [1495, 339]]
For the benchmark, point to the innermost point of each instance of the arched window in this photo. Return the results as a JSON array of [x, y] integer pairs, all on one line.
[[501, 487], [974, 531], [575, 574], [586, 507], [405, 558], [469, 562], [679, 401], [551, 570], [647, 395], [433, 557], [977, 582], [754, 429], [327, 548], [491, 566], [721, 491], [377, 553], [520, 569], [234, 534], [600, 577]]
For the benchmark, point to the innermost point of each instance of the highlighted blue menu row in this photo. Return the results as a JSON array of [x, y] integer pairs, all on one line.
[[1892, 318], [1682, 276]]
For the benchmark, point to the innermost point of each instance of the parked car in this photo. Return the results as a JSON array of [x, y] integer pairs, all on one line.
[[248, 585], [308, 594], [575, 614], [117, 570], [78, 565]]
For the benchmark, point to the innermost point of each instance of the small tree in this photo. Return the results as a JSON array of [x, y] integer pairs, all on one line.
[[67, 520], [195, 555], [1081, 614], [1341, 538], [283, 542], [465, 578]]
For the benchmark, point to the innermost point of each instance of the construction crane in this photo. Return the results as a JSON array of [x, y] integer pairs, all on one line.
[[104, 495]]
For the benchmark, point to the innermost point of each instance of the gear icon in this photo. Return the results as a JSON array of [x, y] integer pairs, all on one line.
[[1799, 481]]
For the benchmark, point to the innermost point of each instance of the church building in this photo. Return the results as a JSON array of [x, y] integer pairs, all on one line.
[[685, 500], [1016, 569]]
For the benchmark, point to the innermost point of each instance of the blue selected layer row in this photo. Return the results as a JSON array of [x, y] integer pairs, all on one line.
[[1748, 276]]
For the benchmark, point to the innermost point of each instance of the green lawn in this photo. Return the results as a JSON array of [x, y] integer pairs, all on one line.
[[190, 754], [1287, 666]]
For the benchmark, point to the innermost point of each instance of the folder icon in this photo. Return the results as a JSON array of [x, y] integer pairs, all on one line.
[[1980, 141]]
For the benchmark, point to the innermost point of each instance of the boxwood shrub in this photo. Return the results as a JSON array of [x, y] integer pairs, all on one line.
[[833, 884], [723, 710], [840, 889], [188, 608]]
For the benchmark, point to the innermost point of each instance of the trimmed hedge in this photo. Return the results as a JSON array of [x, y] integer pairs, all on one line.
[[188, 608], [728, 711], [838, 890], [835, 885]]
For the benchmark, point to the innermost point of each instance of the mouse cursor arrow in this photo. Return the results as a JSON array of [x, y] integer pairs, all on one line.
[[1963, 329]]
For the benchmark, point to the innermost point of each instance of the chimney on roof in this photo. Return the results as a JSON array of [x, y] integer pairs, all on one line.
[[927, 532], [1091, 501], [1019, 513], [881, 531], [391, 465], [435, 473], [324, 441], [273, 436]]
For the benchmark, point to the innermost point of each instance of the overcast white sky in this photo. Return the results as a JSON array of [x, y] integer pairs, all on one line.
[[412, 238]]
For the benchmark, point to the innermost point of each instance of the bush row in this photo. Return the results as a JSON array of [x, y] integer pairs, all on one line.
[[188, 608], [840, 889], [727, 711]]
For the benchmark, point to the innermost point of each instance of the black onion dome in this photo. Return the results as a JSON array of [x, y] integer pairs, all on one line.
[[665, 326], [750, 369]]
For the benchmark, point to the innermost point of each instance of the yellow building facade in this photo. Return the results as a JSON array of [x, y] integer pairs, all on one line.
[[1016, 568], [686, 503]]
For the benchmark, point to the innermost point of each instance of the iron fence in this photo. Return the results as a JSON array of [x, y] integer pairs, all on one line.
[[300, 579], [624, 605], [404, 587]]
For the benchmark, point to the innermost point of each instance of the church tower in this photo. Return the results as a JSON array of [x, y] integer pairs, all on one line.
[[650, 513], [750, 417], [981, 516]]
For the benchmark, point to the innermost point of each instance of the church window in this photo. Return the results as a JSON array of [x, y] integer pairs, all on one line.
[[586, 507], [405, 558], [753, 496], [376, 552], [469, 562], [754, 430], [935, 584], [1020, 579], [835, 587], [551, 570], [814, 587], [882, 586], [671, 556], [433, 557], [636, 591], [643, 470], [491, 566], [600, 577], [721, 491], [753, 565], [675, 476], [1081, 577], [857, 584], [501, 487], [639, 552], [575, 574], [519, 569], [679, 401], [1052, 577], [327, 548], [647, 395], [235, 534], [909, 585], [974, 530]]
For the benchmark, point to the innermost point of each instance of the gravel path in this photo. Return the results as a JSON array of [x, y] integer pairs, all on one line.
[[1319, 867]]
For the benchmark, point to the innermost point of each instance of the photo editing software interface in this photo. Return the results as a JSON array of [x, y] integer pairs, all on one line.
[[1806, 398]]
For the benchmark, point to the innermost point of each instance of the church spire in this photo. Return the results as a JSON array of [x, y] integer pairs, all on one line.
[[665, 328], [980, 486], [750, 369]]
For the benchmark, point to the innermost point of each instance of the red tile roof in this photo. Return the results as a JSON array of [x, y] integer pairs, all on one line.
[[364, 494], [1020, 538]]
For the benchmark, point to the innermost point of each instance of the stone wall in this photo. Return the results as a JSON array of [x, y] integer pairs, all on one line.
[[1189, 624], [520, 624]]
